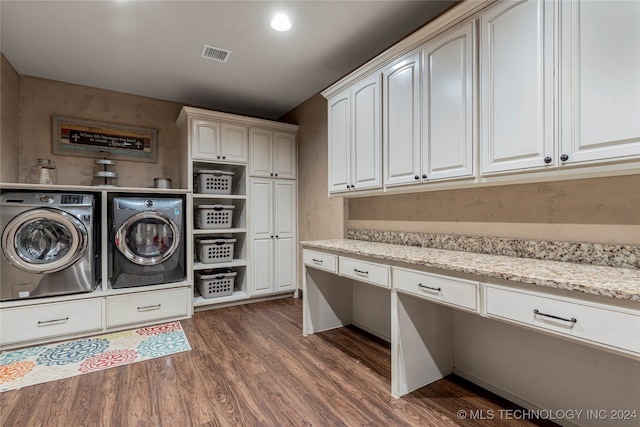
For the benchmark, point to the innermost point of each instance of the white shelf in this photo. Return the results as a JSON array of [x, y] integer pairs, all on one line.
[[91, 188], [234, 263], [219, 196], [199, 300], [201, 231]]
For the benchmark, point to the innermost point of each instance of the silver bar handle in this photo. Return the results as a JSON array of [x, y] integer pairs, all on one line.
[[149, 307], [317, 261], [564, 319], [48, 322], [361, 272], [420, 285]]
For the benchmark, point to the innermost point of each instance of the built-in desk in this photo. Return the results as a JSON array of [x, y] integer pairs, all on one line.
[[493, 319]]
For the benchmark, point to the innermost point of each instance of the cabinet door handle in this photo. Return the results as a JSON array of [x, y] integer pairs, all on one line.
[[420, 285], [573, 320], [48, 322], [361, 272], [149, 307], [317, 261]]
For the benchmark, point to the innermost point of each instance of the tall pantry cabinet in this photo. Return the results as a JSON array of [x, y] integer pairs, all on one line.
[[260, 158], [273, 194]]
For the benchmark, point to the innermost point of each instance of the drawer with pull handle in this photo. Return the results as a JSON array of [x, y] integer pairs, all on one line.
[[320, 260], [50, 320], [447, 290], [364, 271], [146, 306], [598, 323]]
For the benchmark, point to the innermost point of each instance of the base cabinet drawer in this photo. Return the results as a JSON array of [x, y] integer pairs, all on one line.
[[320, 260], [458, 292], [600, 324], [50, 320], [365, 271], [147, 306]]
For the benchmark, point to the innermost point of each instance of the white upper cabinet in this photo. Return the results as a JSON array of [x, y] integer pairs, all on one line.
[[448, 82], [600, 96], [339, 123], [354, 137], [219, 141], [516, 92], [272, 153], [401, 120]]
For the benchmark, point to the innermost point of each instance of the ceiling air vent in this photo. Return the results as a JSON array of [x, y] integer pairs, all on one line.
[[215, 53]]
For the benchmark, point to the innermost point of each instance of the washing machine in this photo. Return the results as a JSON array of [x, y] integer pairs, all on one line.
[[49, 244], [147, 241]]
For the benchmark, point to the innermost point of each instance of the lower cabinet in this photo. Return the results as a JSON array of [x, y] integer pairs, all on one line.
[[599, 324], [41, 321], [273, 236], [147, 306]]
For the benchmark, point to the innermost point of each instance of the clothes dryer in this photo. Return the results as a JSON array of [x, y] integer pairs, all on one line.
[[49, 244], [147, 241]]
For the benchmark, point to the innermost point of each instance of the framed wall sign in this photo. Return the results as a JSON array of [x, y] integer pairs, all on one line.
[[87, 138]]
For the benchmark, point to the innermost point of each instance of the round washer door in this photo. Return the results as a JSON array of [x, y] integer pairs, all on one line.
[[148, 238], [44, 240]]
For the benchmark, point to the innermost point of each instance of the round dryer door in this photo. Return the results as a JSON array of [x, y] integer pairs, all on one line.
[[148, 238], [44, 240]]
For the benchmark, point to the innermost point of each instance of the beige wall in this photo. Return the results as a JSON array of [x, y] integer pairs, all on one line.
[[599, 210], [9, 121], [41, 99], [319, 217]]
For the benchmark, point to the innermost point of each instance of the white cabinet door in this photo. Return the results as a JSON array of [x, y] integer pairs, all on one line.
[[284, 155], [339, 124], [401, 121], [206, 138], [261, 209], [262, 266], [285, 230], [447, 105], [273, 235], [366, 148], [600, 102], [233, 147], [260, 160], [516, 93]]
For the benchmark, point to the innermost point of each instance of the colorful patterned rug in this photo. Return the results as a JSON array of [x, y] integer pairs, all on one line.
[[41, 364]]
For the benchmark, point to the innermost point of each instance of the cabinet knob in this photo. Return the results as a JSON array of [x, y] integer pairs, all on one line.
[[218, 157], [548, 159], [272, 175], [224, 157], [424, 176], [271, 237], [417, 177], [564, 157], [348, 186], [276, 174], [277, 236]]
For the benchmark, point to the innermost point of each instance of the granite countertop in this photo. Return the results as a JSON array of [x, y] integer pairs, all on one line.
[[615, 282]]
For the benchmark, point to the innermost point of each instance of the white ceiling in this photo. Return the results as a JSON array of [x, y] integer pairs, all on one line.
[[152, 48]]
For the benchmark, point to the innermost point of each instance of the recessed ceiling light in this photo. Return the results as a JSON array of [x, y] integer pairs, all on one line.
[[281, 22]]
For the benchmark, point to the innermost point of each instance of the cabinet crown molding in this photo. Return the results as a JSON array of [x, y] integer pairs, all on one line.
[[227, 117]]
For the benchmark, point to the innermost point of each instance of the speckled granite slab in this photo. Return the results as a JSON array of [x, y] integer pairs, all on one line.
[[583, 253], [615, 282]]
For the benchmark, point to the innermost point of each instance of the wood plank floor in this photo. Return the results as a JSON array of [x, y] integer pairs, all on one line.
[[251, 366]]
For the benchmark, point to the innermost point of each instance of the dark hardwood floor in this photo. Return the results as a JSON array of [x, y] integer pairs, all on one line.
[[251, 366]]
